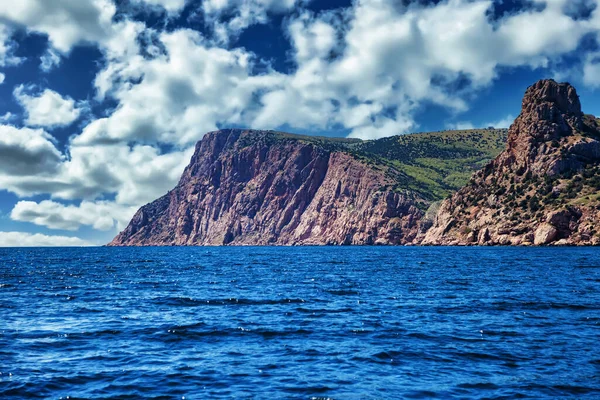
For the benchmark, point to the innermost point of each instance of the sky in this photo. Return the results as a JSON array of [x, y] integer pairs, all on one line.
[[102, 101]]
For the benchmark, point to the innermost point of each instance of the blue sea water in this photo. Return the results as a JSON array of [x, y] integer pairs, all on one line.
[[300, 323]]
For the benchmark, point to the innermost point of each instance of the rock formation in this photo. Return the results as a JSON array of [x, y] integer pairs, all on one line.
[[543, 189], [246, 187]]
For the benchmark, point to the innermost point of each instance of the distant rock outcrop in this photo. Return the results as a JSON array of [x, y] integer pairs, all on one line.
[[245, 187], [543, 189]]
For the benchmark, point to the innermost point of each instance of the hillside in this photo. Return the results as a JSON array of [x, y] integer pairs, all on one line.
[[434, 164], [437, 163], [544, 188], [264, 187]]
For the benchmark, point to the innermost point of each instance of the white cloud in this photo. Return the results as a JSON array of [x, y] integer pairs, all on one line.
[[371, 73], [7, 117], [312, 38], [31, 164], [66, 22], [134, 175], [49, 60], [505, 122], [22, 239], [7, 47], [591, 70], [100, 215], [502, 123], [26, 152], [2, 77], [48, 108], [171, 6], [367, 69], [535, 36], [190, 90]]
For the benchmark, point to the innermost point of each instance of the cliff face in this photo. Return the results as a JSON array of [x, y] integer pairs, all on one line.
[[543, 189], [245, 187], [257, 188]]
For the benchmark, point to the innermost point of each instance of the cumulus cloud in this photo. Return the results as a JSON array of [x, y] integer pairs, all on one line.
[[7, 118], [30, 164], [2, 77], [366, 69], [66, 22], [134, 175], [591, 70], [397, 57], [180, 95], [100, 215], [48, 108], [26, 152], [22, 239]]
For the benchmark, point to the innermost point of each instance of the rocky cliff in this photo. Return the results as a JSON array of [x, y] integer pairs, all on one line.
[[543, 189], [245, 187]]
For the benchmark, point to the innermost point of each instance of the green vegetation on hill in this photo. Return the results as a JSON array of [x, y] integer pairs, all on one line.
[[437, 163], [433, 164]]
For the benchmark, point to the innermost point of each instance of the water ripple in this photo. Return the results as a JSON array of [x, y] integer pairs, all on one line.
[[306, 323]]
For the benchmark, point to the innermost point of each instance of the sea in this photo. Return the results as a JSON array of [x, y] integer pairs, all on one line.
[[300, 323]]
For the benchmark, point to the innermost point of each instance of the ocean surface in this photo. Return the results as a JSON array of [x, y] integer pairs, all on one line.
[[300, 323]]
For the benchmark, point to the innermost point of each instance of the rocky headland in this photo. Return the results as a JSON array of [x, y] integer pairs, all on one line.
[[245, 187], [249, 187]]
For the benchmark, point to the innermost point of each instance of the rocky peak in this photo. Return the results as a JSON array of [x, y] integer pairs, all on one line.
[[550, 115], [548, 93], [542, 189], [550, 110]]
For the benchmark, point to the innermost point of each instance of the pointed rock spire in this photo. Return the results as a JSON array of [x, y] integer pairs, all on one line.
[[562, 96]]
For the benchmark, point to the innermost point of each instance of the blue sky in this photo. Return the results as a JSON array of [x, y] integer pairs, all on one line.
[[101, 101]]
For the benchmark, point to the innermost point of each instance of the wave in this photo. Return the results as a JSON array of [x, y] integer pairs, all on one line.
[[191, 302]]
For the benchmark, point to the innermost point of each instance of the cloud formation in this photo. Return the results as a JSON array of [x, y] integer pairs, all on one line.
[[46, 109], [191, 88], [66, 22], [503, 123], [24, 239], [7, 47], [26, 152], [100, 215], [130, 175], [228, 18], [366, 69]]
